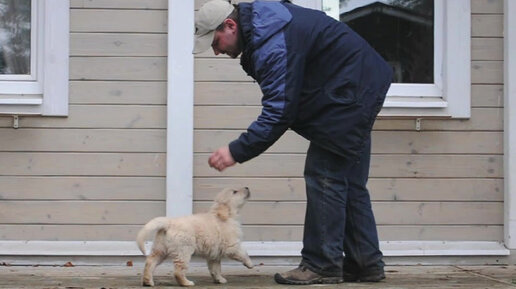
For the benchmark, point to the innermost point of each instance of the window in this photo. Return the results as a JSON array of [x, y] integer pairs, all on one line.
[[427, 42], [34, 41], [402, 31], [15, 37]]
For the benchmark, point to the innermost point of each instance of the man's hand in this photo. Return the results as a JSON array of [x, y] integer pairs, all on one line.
[[221, 159]]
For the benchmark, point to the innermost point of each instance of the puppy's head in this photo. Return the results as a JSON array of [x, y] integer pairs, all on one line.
[[229, 201]]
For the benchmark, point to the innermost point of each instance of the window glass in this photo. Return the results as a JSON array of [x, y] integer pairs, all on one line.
[[15, 37], [402, 31]]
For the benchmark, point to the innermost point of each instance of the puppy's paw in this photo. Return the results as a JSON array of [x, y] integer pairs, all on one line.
[[249, 264], [148, 283], [221, 280], [187, 283]]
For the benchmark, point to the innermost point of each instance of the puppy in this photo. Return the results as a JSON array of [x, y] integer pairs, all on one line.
[[212, 235]]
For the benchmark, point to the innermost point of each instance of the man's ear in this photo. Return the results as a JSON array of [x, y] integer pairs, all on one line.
[[231, 24]]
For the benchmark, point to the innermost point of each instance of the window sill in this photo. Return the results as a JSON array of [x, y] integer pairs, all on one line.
[[415, 107], [21, 99]]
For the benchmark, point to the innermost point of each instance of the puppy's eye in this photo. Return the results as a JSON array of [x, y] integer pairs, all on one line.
[[234, 192]]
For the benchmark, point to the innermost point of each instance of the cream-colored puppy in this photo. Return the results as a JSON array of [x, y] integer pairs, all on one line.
[[213, 235]]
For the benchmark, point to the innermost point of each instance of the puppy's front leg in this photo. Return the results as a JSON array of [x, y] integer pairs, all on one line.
[[238, 254]]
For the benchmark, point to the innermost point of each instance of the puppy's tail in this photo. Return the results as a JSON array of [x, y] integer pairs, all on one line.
[[151, 227]]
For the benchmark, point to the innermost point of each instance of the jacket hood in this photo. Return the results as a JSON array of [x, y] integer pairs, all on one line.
[[267, 19]]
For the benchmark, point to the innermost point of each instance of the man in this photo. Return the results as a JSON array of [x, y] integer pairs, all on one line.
[[320, 79]]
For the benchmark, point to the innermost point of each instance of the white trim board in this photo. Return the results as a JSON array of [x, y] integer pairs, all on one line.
[[180, 105], [263, 249], [510, 123]]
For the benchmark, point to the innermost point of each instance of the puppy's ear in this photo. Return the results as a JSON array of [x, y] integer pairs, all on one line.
[[222, 211]]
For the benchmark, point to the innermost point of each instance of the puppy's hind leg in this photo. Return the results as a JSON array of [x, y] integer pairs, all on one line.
[[181, 262], [214, 267], [153, 260]]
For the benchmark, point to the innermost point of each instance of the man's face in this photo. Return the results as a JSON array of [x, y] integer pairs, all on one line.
[[226, 41]]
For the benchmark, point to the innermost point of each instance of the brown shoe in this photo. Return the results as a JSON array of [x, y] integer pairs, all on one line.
[[304, 276]]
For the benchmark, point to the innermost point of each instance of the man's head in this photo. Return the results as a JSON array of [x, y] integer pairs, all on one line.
[[216, 25]]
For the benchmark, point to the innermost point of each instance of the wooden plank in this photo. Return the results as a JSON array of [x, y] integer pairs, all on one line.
[[439, 233], [487, 95], [487, 25], [69, 232], [382, 166], [210, 140], [487, 49], [398, 189], [83, 140], [385, 233], [407, 213], [401, 142], [108, 20], [118, 92], [486, 119], [487, 72], [6, 121], [118, 44], [118, 68], [251, 232], [249, 93], [262, 189], [229, 70], [486, 6], [120, 4], [82, 188], [99, 116], [437, 142], [78, 212], [227, 93], [389, 189], [223, 69], [266, 165], [240, 117], [435, 166], [82, 164]]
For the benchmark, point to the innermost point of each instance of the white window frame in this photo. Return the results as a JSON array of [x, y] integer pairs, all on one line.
[[450, 94], [45, 91]]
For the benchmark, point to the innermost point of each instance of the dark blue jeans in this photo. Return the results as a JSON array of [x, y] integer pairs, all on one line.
[[338, 216]]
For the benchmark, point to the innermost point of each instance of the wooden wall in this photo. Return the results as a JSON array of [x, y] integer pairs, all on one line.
[[99, 173], [444, 182]]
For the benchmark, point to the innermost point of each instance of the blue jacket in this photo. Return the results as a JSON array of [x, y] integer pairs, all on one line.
[[317, 76]]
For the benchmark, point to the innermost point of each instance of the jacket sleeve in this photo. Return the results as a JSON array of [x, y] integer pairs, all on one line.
[[280, 74]]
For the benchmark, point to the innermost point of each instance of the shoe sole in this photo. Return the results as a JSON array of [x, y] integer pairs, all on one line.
[[372, 278], [365, 279], [322, 280]]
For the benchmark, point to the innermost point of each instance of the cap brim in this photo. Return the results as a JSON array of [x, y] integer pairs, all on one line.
[[203, 42]]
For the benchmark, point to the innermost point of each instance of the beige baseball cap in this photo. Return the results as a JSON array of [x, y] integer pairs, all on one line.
[[207, 19]]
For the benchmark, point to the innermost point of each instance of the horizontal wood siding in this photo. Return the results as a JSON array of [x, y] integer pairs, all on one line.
[[444, 182], [98, 174]]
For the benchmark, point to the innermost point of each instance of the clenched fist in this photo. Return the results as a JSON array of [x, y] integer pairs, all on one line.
[[221, 159]]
